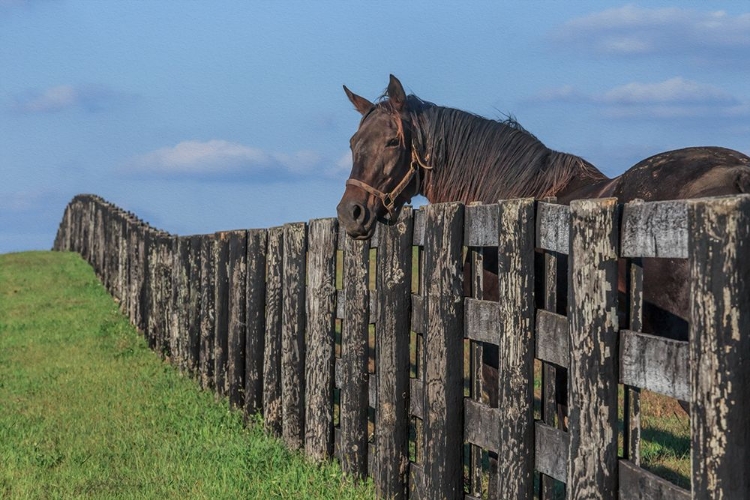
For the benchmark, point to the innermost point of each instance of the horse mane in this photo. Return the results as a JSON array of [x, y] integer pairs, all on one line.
[[478, 159]]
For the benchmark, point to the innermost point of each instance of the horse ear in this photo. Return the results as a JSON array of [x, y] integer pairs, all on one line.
[[396, 94], [360, 103]]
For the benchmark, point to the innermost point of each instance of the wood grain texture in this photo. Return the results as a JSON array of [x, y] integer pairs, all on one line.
[[482, 318], [655, 363], [720, 346], [516, 371], [592, 467], [272, 353], [655, 229], [321, 315], [552, 341], [208, 312], [221, 308], [237, 331], [640, 484], [354, 355], [551, 451], [180, 295], [553, 227], [443, 267], [480, 226], [255, 314], [482, 425], [392, 359], [293, 335], [192, 346]]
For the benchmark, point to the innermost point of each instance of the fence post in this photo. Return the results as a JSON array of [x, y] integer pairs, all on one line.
[[193, 333], [516, 232], [272, 344], [236, 310], [255, 319], [443, 389], [208, 311], [293, 335], [180, 301], [354, 355], [221, 304], [720, 346], [392, 357], [593, 374], [321, 321]]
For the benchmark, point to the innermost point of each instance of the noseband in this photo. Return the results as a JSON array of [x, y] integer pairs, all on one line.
[[389, 199]]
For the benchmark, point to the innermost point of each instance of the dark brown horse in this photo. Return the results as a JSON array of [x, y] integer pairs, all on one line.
[[405, 146]]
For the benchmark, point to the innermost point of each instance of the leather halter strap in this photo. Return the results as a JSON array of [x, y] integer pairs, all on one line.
[[389, 199]]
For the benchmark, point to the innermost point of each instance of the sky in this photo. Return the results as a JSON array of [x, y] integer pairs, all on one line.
[[207, 116]]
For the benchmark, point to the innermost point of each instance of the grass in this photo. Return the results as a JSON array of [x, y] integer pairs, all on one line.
[[88, 411]]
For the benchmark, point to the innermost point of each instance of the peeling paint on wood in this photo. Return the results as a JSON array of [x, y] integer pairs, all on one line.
[[321, 312], [592, 310]]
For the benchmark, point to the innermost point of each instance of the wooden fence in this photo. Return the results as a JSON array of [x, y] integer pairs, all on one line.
[[286, 321]]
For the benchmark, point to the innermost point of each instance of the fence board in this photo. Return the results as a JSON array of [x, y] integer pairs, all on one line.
[[180, 295], [481, 324], [553, 227], [237, 331], [655, 363], [552, 340], [443, 469], [354, 356], [293, 335], [638, 484], [480, 229], [481, 425], [221, 307], [194, 306], [257, 241], [719, 346], [208, 312], [592, 467], [655, 229], [551, 449], [321, 313], [272, 415], [392, 357], [516, 324]]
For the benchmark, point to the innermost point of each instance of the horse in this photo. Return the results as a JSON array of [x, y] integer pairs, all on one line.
[[405, 146]]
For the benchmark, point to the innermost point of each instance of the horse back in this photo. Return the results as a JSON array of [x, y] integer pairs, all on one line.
[[685, 173]]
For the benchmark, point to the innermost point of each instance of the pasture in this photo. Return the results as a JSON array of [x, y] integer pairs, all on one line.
[[88, 411]]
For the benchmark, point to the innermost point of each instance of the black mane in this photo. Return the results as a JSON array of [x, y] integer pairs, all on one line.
[[478, 159]]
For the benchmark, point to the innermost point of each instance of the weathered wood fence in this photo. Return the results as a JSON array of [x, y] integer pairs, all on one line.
[[387, 377]]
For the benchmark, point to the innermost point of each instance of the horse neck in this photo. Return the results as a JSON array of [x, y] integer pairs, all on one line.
[[475, 159]]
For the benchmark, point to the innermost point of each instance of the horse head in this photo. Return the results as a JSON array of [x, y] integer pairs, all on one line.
[[385, 170]]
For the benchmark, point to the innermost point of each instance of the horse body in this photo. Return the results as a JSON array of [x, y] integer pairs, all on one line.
[[405, 146]]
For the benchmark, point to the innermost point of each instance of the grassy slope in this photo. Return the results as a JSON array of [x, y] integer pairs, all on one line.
[[86, 410]]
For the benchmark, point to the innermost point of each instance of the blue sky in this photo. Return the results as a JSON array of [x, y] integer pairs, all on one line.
[[203, 116]]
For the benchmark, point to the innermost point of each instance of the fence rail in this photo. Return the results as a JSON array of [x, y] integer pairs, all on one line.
[[369, 351]]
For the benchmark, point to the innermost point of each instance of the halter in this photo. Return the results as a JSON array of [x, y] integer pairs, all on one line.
[[389, 199]]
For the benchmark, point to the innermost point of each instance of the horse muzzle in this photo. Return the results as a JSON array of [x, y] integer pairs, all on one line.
[[358, 220]]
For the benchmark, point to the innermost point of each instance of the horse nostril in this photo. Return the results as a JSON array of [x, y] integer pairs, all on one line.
[[357, 212]]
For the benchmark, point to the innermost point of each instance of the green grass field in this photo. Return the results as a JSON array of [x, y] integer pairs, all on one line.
[[88, 411]]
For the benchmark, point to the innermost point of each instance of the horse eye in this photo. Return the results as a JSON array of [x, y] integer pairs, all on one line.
[[393, 143]]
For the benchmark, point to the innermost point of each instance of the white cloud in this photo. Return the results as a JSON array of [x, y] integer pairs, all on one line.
[[221, 160], [632, 30], [673, 98], [674, 90], [63, 97]]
